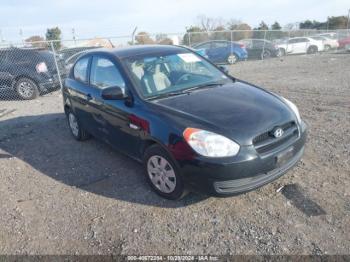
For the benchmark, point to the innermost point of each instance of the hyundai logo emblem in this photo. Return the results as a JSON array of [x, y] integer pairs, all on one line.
[[278, 132]]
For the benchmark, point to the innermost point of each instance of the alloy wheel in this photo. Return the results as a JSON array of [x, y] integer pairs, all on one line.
[[26, 89]]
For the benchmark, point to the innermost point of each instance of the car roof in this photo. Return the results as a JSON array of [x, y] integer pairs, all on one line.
[[137, 50]]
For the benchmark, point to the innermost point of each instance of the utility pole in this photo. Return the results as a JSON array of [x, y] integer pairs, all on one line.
[[21, 35], [347, 27], [74, 39], [133, 35]]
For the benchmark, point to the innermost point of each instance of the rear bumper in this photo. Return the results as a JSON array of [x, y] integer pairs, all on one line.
[[244, 172], [49, 83]]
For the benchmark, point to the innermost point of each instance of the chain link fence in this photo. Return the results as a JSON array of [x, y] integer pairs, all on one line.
[[31, 69]]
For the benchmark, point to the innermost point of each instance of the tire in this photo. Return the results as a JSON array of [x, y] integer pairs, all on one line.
[[162, 173], [312, 49], [281, 52], [75, 128], [327, 48], [232, 59], [266, 54], [26, 88]]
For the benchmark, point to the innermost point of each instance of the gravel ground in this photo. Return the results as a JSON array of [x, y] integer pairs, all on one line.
[[59, 196]]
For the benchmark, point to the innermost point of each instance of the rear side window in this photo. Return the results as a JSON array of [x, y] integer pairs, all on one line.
[[80, 69], [220, 44], [105, 74]]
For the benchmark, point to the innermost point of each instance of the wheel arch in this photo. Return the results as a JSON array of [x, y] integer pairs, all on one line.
[[16, 78]]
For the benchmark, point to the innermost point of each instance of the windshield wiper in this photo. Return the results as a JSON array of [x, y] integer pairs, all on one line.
[[207, 85], [184, 92]]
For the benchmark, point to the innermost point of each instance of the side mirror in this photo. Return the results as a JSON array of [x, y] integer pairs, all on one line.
[[113, 93], [224, 69]]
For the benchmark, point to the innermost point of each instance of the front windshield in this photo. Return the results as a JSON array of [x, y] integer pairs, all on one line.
[[161, 75]]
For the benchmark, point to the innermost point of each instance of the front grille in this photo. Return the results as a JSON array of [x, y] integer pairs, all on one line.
[[266, 142]]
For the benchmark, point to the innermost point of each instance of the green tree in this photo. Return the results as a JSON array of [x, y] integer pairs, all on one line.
[[263, 26], [54, 34], [194, 35], [275, 34], [276, 26], [337, 22], [259, 32]]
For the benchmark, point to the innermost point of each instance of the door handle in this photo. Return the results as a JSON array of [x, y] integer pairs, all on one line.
[[88, 97]]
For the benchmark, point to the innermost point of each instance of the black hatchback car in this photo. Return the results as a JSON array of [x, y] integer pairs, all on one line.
[[194, 127], [260, 48], [28, 71]]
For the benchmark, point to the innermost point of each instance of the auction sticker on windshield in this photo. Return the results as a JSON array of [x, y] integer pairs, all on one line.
[[189, 58]]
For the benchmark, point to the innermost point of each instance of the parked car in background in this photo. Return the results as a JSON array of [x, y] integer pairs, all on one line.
[[300, 45], [343, 43], [222, 51], [260, 48], [192, 126], [331, 35], [66, 53], [328, 43], [28, 71]]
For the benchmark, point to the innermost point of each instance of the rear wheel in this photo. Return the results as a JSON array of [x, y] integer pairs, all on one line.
[[162, 173], [26, 88], [77, 131], [327, 48], [232, 59], [266, 54], [312, 50]]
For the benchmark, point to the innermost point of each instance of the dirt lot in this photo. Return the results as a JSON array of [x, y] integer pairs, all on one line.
[[59, 196]]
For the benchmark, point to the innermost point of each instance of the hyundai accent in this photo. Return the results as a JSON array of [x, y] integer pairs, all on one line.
[[192, 125]]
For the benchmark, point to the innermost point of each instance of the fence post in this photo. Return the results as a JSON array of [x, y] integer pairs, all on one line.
[[231, 42], [263, 51], [56, 64]]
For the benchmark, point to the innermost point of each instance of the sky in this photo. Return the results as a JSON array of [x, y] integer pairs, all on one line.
[[102, 18]]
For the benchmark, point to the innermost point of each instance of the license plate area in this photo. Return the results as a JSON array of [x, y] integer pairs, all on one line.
[[283, 157]]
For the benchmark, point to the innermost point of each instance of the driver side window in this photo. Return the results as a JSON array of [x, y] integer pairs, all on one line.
[[105, 74]]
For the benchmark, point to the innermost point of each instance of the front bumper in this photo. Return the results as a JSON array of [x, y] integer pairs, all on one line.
[[244, 172]]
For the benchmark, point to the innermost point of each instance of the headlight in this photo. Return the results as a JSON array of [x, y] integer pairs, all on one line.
[[293, 107], [210, 144]]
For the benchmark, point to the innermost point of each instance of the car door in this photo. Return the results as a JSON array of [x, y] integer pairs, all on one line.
[[291, 46], [113, 117], [81, 94], [299, 46], [257, 48]]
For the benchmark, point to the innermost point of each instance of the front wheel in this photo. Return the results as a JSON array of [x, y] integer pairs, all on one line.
[[162, 173], [26, 88], [232, 59]]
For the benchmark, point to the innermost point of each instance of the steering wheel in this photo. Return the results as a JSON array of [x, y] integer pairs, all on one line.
[[182, 78]]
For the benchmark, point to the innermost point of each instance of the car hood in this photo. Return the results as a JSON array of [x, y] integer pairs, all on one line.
[[237, 110]]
